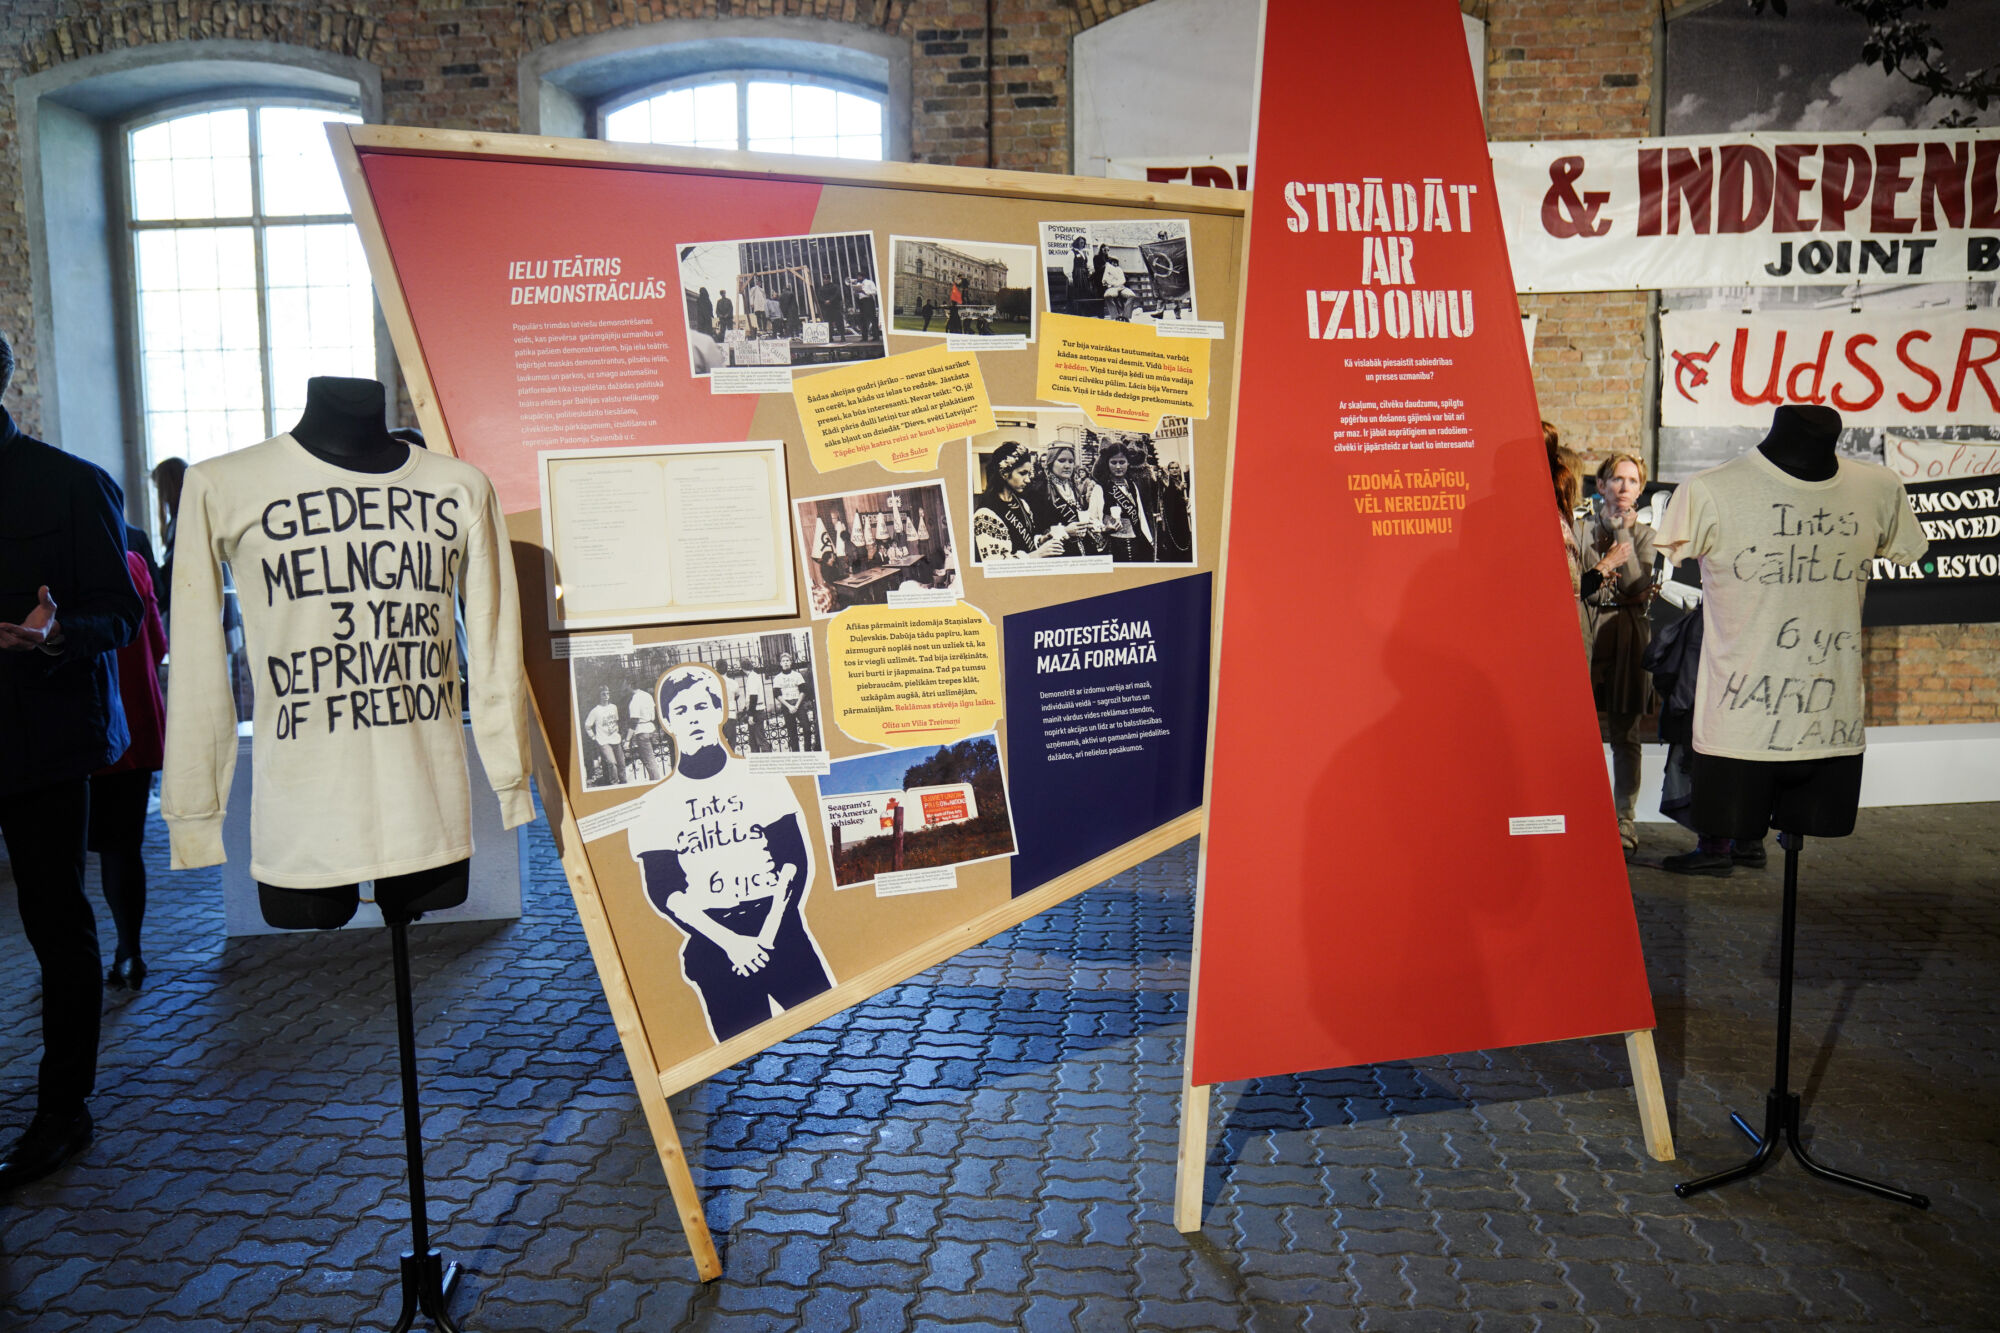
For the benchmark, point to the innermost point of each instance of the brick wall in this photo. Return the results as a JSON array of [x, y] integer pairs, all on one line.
[[1554, 69], [451, 63], [1932, 673]]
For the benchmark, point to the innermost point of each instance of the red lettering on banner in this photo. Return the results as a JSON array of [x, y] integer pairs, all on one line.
[[1890, 181], [1944, 185], [1739, 353], [1788, 185], [1982, 204], [1690, 180], [1649, 192], [1966, 364], [1903, 355], [1921, 367], [1217, 177], [1852, 351], [1843, 184], [1565, 212], [1817, 366], [1743, 188]]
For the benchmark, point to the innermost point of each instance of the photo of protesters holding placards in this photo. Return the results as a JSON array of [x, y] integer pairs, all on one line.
[[1052, 486], [803, 301], [768, 690], [1135, 272]]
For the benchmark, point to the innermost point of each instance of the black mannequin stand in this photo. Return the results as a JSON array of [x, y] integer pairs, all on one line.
[[343, 424], [427, 1280], [1782, 1110]]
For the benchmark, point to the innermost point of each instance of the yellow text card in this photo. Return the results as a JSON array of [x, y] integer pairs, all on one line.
[[895, 411], [914, 675], [1123, 376]]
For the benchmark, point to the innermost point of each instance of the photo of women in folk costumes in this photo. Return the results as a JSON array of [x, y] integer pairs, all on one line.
[[1131, 507], [1065, 497], [1005, 525]]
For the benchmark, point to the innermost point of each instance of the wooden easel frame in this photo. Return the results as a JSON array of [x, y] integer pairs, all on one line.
[[656, 1084]]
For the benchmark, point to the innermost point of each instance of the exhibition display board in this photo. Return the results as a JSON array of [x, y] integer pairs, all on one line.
[[1433, 864], [867, 519]]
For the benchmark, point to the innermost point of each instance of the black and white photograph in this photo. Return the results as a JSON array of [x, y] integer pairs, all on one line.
[[982, 289], [1049, 485], [1136, 272], [1728, 71], [770, 694], [782, 301], [888, 547]]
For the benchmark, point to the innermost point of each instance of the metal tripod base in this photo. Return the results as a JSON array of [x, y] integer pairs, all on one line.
[[1781, 1104], [427, 1286], [1781, 1131]]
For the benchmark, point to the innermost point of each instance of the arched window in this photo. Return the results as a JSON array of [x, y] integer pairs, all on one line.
[[760, 111], [248, 273]]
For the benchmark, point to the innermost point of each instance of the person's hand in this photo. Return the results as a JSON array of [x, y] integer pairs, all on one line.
[[1614, 559], [745, 956], [37, 630], [1051, 544]]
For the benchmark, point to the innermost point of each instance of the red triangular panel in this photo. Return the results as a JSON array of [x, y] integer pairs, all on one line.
[[1387, 703]]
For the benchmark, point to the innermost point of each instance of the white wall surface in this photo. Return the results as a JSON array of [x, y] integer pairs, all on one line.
[[1177, 78]]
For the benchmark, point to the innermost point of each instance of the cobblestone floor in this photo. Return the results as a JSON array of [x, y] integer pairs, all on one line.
[[991, 1145]]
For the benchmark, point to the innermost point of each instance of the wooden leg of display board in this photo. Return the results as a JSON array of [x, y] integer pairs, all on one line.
[[680, 1179], [1652, 1096], [1191, 1158], [624, 1009]]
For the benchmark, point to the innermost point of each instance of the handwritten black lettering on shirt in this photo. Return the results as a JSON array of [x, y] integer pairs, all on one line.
[[1804, 545], [387, 661]]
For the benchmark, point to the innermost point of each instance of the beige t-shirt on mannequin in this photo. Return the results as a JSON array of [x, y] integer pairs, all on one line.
[[346, 582], [1784, 566]]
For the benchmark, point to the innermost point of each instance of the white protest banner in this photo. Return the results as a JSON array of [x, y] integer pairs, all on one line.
[[1941, 460], [1876, 368], [1760, 210]]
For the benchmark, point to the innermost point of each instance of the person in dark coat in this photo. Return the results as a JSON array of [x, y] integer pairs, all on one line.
[[66, 605], [725, 316], [832, 309]]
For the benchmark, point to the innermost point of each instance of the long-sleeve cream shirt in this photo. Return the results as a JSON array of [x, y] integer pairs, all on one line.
[[346, 582]]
